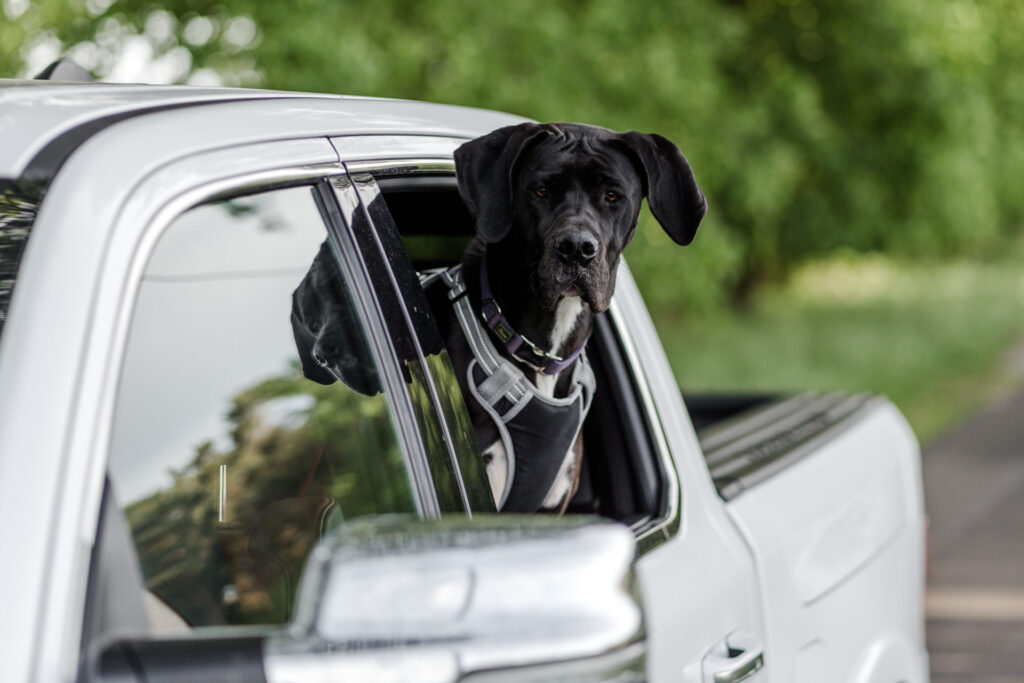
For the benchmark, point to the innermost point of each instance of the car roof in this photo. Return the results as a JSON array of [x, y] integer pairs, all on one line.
[[42, 122]]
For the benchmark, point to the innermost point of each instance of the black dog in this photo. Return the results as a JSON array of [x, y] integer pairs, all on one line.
[[554, 206], [327, 329]]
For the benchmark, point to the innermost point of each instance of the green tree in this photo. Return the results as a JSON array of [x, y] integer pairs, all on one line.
[[876, 126]]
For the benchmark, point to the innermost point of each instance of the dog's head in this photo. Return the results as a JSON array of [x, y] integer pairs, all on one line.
[[571, 194], [327, 331]]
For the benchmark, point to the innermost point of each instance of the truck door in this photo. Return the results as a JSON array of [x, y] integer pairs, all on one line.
[[827, 491], [705, 611]]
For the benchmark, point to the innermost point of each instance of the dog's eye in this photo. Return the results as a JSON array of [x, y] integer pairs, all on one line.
[[314, 326], [611, 196], [540, 191]]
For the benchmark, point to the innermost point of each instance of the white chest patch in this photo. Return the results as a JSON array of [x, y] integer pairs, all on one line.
[[568, 311], [496, 460], [566, 315]]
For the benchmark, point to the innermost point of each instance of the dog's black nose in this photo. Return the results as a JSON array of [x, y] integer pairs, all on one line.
[[577, 247]]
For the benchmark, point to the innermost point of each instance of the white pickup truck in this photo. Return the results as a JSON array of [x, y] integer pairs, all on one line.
[[167, 473]]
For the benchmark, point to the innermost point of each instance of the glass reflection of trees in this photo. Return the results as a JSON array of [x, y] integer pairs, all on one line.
[[303, 457], [18, 209], [260, 460]]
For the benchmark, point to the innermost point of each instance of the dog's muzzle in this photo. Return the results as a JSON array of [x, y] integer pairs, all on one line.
[[576, 249], [573, 264]]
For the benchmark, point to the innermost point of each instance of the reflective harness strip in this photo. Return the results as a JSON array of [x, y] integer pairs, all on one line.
[[537, 431]]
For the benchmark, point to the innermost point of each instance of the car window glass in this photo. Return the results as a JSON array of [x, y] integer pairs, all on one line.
[[233, 446]]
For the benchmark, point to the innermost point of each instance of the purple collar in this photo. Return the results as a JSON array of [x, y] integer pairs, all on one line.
[[539, 359]]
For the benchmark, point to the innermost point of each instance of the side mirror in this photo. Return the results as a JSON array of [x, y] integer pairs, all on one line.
[[486, 600]]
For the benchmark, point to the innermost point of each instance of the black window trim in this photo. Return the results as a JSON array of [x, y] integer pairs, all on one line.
[[459, 438], [387, 335], [376, 176], [373, 178], [345, 208]]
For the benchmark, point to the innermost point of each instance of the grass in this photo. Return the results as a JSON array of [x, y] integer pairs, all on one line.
[[936, 338]]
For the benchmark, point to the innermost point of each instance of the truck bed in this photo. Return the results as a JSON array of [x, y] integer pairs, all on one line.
[[747, 438]]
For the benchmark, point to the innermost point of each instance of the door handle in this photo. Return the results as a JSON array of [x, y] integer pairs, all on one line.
[[738, 657]]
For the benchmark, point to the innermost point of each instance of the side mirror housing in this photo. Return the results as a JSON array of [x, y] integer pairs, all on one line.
[[487, 600]]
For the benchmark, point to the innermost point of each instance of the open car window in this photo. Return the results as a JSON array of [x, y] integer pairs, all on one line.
[[245, 425], [623, 475]]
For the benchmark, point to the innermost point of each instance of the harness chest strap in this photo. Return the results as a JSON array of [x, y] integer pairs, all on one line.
[[536, 430]]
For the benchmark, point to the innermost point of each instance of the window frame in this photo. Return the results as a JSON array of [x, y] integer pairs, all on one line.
[[385, 332], [651, 532]]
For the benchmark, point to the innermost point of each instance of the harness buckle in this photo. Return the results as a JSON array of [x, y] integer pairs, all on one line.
[[489, 310]]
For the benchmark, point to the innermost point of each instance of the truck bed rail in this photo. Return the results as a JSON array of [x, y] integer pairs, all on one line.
[[756, 444]]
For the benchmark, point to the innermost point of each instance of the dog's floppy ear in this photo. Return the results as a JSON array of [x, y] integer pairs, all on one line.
[[484, 168], [304, 341], [672, 193]]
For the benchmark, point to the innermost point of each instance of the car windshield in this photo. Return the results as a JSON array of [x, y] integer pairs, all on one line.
[[18, 210]]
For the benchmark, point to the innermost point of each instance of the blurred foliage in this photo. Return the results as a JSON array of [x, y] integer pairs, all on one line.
[[911, 330], [876, 126]]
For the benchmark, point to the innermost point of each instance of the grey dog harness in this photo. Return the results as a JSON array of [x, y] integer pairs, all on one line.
[[537, 431]]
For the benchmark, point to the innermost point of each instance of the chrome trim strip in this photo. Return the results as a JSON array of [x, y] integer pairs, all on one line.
[[387, 155], [223, 492], [384, 167], [650, 533], [354, 148]]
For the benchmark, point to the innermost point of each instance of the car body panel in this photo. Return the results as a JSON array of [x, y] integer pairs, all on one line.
[[850, 531], [702, 547], [43, 113]]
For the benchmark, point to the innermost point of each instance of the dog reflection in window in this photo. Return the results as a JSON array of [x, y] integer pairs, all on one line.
[[328, 333]]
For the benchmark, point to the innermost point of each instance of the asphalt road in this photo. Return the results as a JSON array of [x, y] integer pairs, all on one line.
[[974, 493]]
